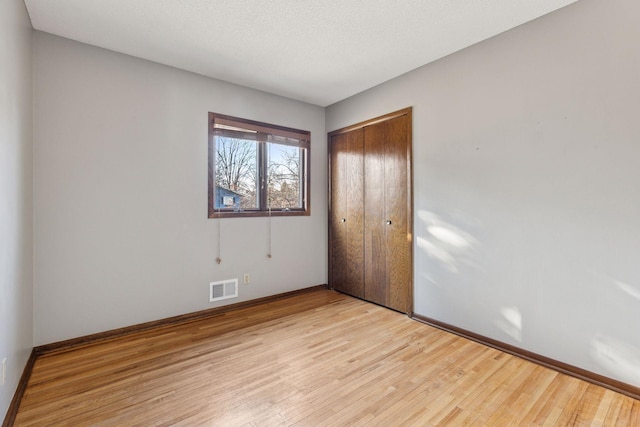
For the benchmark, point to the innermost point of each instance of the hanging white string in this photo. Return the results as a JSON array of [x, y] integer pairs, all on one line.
[[269, 207], [219, 258], [269, 235]]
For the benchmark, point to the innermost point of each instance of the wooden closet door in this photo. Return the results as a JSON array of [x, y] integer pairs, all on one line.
[[346, 229], [387, 210]]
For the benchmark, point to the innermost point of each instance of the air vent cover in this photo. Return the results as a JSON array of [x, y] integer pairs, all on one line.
[[224, 289]]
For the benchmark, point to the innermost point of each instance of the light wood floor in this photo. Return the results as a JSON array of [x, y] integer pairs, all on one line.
[[318, 359]]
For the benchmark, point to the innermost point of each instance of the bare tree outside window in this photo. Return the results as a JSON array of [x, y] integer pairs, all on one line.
[[284, 177], [236, 169]]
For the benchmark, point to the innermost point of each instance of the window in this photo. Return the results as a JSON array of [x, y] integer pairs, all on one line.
[[257, 169]]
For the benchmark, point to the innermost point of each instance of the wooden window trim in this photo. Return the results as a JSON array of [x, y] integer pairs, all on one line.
[[264, 132]]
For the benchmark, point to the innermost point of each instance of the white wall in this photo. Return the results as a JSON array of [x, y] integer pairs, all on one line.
[[122, 234], [526, 185], [16, 194]]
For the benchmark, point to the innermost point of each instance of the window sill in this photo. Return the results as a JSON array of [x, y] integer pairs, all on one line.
[[256, 213]]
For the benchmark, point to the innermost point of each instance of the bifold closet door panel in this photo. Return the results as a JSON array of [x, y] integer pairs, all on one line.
[[387, 248], [374, 220], [346, 217], [398, 245]]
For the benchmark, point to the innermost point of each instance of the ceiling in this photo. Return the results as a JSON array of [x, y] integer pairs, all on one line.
[[317, 51]]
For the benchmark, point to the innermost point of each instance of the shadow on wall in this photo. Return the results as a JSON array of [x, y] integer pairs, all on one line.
[[633, 291], [455, 250], [447, 244], [615, 355], [510, 322]]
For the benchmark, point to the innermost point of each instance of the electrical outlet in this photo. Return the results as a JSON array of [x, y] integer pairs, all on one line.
[[4, 370], [246, 278]]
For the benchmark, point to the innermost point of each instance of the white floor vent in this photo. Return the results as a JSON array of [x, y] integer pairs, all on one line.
[[224, 289]]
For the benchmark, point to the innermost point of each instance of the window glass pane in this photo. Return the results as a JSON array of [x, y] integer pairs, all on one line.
[[236, 173], [284, 176]]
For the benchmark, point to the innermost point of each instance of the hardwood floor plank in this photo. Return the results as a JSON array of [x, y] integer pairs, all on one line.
[[318, 359]]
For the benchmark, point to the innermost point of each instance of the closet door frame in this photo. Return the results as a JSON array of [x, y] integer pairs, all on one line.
[[408, 112]]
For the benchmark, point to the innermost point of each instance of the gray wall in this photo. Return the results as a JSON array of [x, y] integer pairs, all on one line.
[[526, 184], [122, 234], [16, 207]]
